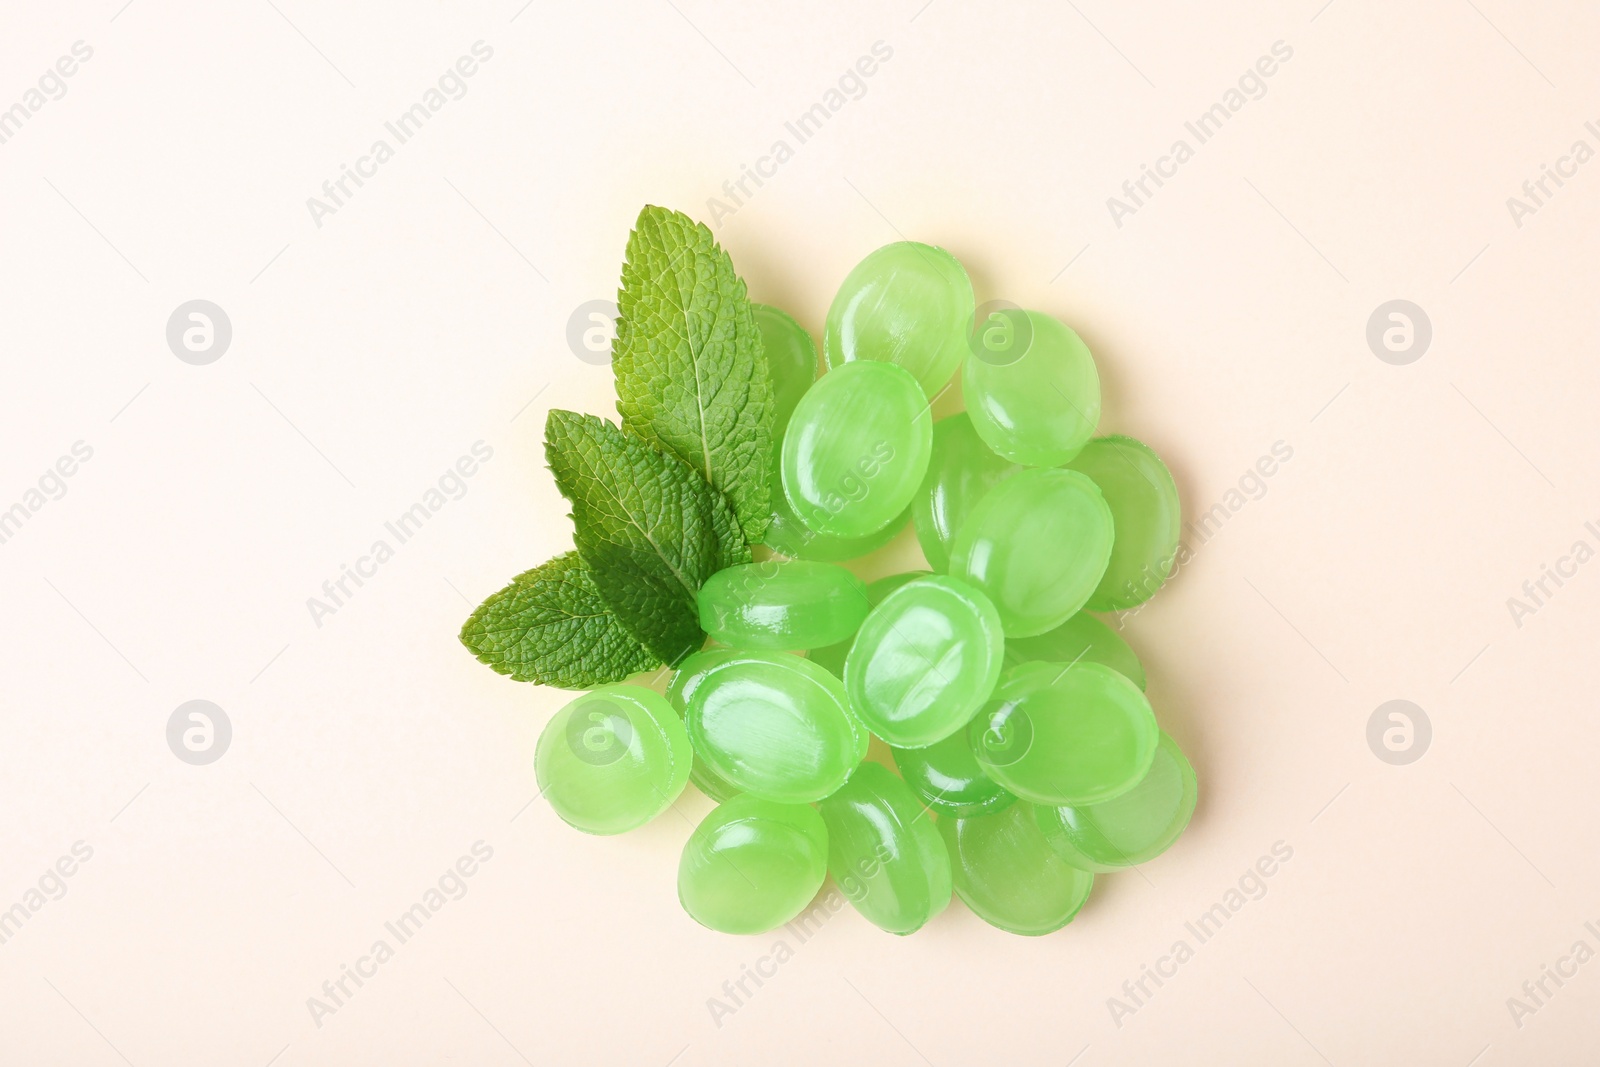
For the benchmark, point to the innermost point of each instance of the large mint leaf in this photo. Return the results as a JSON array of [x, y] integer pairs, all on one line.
[[649, 529], [690, 371], [550, 626]]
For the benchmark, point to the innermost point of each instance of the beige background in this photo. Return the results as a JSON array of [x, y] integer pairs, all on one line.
[[431, 311]]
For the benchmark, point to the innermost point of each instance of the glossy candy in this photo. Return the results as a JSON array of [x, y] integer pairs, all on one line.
[[1038, 403], [791, 361], [924, 661], [752, 865], [782, 605], [1131, 828], [788, 536], [1036, 545], [961, 469], [689, 674], [1059, 734], [884, 851], [832, 657], [1008, 874], [1144, 508], [907, 303], [1082, 637], [947, 777], [613, 759], [772, 724], [856, 449]]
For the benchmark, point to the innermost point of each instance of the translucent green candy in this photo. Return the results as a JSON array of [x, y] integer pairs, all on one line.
[[788, 536], [1082, 637], [782, 605], [831, 657], [856, 449], [613, 759], [1037, 402], [689, 674], [1006, 872], [924, 661], [752, 865], [1132, 828], [907, 303], [961, 469], [947, 777], [884, 851], [791, 361], [1065, 734], [1144, 507], [772, 724], [1036, 545]]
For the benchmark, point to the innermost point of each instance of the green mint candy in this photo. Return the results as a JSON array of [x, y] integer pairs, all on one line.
[[1132, 828], [907, 303], [947, 777], [773, 725], [924, 661], [752, 865], [1144, 506], [688, 675], [831, 657], [961, 469], [613, 759], [782, 605], [1058, 733], [1037, 400], [788, 536], [1007, 873], [1082, 637], [1036, 545], [884, 852], [791, 361], [856, 449]]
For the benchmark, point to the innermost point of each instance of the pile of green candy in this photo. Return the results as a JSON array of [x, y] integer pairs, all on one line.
[[1028, 756]]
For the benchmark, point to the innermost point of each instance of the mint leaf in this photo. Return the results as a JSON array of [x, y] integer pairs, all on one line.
[[550, 626], [690, 371], [649, 529]]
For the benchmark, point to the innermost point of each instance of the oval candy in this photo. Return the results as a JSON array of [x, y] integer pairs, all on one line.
[[856, 449], [773, 724], [924, 661], [1065, 733], [613, 759], [752, 865], [1037, 545]]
